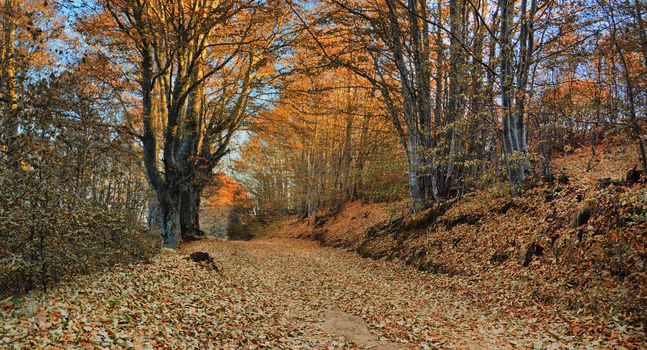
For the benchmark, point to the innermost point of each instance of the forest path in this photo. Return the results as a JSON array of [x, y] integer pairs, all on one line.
[[274, 294]]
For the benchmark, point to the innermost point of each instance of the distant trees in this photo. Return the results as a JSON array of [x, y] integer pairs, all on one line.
[[326, 142]]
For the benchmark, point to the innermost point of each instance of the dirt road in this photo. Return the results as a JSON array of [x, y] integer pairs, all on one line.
[[277, 294]]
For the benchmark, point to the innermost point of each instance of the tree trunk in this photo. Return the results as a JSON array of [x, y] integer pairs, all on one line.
[[9, 79], [190, 213], [348, 160], [637, 14], [511, 126], [526, 48], [170, 221], [635, 127], [409, 104], [359, 164], [457, 65], [153, 218]]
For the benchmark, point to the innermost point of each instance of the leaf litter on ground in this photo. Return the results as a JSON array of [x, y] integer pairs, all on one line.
[[275, 294]]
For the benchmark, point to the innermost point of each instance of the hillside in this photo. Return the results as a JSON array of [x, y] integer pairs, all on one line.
[[575, 248]]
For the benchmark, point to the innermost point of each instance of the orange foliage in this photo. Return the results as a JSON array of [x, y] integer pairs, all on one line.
[[225, 192]]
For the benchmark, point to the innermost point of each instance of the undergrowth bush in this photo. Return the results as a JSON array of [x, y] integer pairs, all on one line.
[[242, 225], [49, 234]]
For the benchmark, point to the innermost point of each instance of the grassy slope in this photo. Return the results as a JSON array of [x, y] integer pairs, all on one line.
[[593, 275]]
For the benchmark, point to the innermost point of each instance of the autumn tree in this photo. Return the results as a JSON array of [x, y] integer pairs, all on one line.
[[72, 190], [461, 81], [199, 65], [325, 142], [28, 30]]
